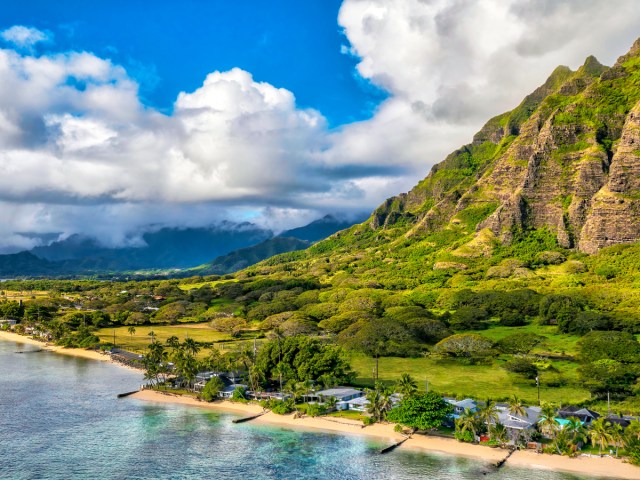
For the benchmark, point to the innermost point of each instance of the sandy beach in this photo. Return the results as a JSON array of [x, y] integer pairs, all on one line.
[[603, 467], [73, 352]]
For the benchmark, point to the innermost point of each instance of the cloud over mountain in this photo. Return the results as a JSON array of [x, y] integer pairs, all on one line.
[[80, 151]]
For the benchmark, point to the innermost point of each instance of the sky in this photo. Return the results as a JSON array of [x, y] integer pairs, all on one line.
[[119, 117]]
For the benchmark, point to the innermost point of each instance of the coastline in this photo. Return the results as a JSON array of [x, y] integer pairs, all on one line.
[[71, 352], [592, 466]]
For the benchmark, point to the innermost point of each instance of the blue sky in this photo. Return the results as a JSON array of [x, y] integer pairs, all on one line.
[[117, 116], [171, 46]]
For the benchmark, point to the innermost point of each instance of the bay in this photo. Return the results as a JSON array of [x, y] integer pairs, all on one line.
[[60, 419]]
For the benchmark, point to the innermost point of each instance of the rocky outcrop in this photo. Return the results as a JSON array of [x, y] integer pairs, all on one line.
[[565, 160], [615, 213]]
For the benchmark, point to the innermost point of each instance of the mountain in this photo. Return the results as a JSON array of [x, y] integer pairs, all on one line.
[[557, 176], [167, 248], [288, 241], [322, 228], [234, 246]]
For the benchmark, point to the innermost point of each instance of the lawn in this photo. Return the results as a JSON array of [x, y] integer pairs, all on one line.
[[450, 377], [139, 341]]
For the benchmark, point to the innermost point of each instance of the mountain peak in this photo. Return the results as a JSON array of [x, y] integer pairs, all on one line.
[[593, 67]]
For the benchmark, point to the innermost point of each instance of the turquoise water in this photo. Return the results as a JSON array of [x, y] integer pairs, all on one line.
[[60, 419]]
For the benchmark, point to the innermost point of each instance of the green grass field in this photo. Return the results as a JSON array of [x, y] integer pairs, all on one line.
[[450, 377], [139, 341], [555, 344]]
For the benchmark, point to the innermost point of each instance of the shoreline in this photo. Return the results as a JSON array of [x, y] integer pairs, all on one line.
[[593, 466], [70, 352]]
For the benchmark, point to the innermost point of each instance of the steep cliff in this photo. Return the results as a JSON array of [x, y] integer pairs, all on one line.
[[566, 160]]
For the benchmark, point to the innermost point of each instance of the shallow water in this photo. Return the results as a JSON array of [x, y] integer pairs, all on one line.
[[60, 419]]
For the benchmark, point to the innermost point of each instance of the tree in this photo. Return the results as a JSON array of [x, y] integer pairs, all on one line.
[[468, 346], [379, 402], [607, 376], [516, 407], [617, 437], [599, 434], [620, 346], [191, 346], [422, 411], [576, 429], [487, 413], [519, 343], [212, 388], [548, 424], [498, 432], [131, 330], [467, 422], [522, 366], [407, 386]]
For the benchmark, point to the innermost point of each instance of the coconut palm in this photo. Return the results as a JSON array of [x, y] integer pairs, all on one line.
[[548, 424], [599, 434], [617, 436], [498, 432], [633, 430], [516, 407], [467, 422], [131, 330], [191, 346], [563, 443], [576, 430], [487, 414], [407, 386], [173, 342], [379, 402], [152, 334]]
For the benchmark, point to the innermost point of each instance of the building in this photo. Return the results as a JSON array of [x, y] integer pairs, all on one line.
[[518, 422], [341, 394], [459, 406], [585, 415], [227, 391]]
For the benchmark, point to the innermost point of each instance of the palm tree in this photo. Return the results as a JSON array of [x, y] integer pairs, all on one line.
[[488, 414], [407, 386], [548, 424], [191, 346], [617, 436], [173, 342], [498, 432], [152, 334], [131, 331], [563, 443], [468, 422], [599, 434], [516, 407], [379, 402], [633, 430], [576, 430]]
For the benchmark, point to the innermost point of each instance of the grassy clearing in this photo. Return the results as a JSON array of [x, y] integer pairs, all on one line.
[[139, 341], [23, 295], [479, 381], [193, 286]]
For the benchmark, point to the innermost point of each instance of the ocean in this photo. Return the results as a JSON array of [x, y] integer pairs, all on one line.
[[60, 419]]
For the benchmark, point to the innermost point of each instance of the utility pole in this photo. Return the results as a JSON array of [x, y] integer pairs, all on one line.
[[114, 337], [427, 384], [608, 405], [538, 385]]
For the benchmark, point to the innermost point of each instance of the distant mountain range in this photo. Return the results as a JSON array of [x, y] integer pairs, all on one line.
[[232, 245]]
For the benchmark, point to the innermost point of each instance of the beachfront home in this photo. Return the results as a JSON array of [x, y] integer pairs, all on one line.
[[518, 422], [341, 394], [459, 406], [585, 415], [359, 404], [227, 391]]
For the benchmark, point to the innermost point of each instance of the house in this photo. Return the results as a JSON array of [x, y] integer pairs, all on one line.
[[359, 404], [459, 406], [8, 321], [227, 391], [518, 422], [341, 394], [585, 415]]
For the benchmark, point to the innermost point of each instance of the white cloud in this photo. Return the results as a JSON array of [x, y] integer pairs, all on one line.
[[80, 152], [24, 37]]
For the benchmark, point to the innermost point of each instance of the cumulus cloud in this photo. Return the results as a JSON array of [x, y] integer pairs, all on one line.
[[24, 37], [80, 152]]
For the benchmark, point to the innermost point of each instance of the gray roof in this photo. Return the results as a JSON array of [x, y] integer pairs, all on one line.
[[358, 401], [466, 403], [338, 392]]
